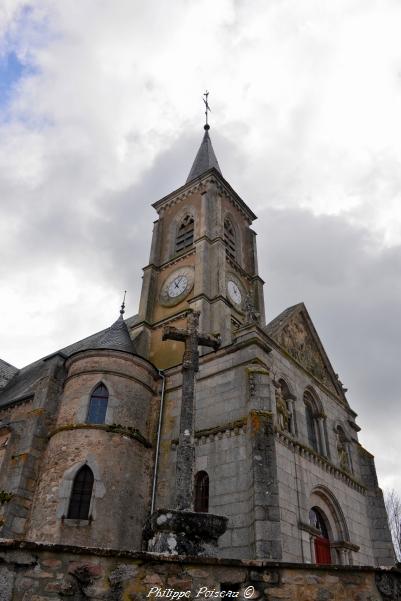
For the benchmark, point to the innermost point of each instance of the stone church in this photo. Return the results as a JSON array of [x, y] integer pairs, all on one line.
[[90, 435]]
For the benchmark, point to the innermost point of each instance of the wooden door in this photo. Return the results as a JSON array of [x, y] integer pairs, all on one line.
[[322, 550]]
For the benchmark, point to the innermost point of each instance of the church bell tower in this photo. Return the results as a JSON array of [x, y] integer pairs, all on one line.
[[203, 257]]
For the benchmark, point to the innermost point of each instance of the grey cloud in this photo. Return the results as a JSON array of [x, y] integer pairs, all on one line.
[[352, 288]]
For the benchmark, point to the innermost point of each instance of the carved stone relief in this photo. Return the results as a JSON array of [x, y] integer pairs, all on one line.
[[298, 342], [283, 415]]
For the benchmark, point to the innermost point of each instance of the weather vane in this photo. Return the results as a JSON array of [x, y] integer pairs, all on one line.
[[207, 108], [122, 310]]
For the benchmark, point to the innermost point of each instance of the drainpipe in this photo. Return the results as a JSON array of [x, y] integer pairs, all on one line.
[[159, 428]]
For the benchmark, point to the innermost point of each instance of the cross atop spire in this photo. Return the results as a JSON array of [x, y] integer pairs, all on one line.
[[207, 109], [205, 158]]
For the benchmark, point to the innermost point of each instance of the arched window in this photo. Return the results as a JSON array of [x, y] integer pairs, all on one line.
[[311, 426], [229, 238], [322, 541], [98, 405], [185, 234], [201, 503], [81, 494]]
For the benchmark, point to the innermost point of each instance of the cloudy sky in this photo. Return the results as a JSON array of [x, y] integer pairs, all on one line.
[[101, 114]]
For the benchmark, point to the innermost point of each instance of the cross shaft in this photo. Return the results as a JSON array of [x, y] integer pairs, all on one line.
[[190, 365]]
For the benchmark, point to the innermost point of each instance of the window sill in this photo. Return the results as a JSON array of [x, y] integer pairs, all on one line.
[[76, 523]]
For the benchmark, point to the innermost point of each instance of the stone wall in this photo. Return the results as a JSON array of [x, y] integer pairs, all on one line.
[[302, 474], [119, 453], [39, 572], [264, 480], [228, 447]]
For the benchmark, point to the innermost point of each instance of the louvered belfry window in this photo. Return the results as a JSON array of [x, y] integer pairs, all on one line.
[[81, 494], [201, 503], [229, 238], [98, 405], [185, 234]]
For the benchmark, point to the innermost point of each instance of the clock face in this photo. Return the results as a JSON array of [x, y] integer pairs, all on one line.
[[234, 292], [177, 286]]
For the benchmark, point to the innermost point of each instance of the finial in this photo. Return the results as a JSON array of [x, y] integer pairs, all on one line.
[[122, 310], [207, 109]]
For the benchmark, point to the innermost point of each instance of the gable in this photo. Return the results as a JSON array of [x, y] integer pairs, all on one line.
[[293, 330]]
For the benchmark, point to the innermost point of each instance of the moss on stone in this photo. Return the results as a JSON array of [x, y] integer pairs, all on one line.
[[113, 428]]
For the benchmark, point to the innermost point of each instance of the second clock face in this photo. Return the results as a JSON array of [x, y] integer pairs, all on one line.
[[234, 292], [176, 287]]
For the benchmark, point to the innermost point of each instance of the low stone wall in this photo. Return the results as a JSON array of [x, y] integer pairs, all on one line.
[[40, 572]]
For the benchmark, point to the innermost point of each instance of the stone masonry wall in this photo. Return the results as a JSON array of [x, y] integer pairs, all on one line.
[[34, 572], [301, 473], [119, 453], [225, 439], [122, 470]]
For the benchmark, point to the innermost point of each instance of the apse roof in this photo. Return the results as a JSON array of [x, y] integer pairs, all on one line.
[[115, 338], [25, 380]]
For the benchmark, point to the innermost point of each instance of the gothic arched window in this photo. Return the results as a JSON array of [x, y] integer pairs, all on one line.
[[311, 423], [229, 238], [81, 494], [185, 234], [98, 405], [201, 502]]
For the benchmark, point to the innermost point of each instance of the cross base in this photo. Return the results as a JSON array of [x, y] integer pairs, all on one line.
[[174, 532]]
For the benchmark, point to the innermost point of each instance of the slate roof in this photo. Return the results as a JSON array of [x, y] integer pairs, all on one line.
[[115, 338], [7, 371], [205, 158], [24, 383], [25, 380]]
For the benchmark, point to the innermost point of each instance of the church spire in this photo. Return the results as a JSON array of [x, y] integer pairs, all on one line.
[[205, 158]]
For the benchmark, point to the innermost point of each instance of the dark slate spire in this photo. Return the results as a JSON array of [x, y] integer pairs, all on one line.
[[205, 158], [116, 337]]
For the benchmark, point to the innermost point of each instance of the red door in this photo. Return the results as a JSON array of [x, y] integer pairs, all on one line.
[[322, 550]]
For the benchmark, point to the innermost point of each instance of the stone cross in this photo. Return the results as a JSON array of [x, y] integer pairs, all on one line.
[[190, 365], [207, 107]]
